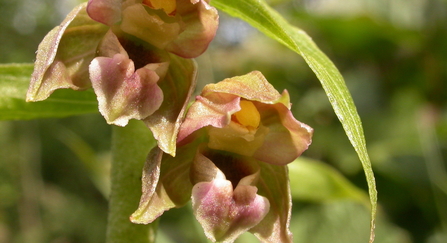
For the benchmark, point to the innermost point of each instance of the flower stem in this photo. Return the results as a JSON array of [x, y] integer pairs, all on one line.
[[130, 146]]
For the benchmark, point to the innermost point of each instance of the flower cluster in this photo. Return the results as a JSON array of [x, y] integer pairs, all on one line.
[[227, 153], [233, 148], [136, 54]]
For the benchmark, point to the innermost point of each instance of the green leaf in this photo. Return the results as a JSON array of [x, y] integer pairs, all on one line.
[[313, 180], [261, 16], [14, 81], [93, 164], [341, 222]]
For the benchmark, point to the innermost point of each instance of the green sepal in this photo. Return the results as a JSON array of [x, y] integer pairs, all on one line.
[[64, 55]]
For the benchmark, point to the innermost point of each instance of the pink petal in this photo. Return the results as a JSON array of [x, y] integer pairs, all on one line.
[[287, 138], [107, 12], [110, 45], [201, 21], [225, 214], [122, 93], [148, 26], [205, 112], [252, 86]]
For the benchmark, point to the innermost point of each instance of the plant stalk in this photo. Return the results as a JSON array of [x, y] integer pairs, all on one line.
[[130, 146]]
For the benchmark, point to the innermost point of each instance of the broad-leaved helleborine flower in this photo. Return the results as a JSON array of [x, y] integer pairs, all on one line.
[[182, 27], [133, 55], [233, 149], [247, 116]]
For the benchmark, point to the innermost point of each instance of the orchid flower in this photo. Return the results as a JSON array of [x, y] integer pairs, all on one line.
[[182, 27], [135, 55], [233, 149]]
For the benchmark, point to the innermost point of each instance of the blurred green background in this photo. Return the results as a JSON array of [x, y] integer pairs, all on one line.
[[393, 56]]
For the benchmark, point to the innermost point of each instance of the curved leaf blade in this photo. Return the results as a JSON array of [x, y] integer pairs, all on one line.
[[14, 82], [261, 16], [313, 180]]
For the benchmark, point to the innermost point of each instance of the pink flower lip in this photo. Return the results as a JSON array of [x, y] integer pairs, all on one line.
[[226, 208]]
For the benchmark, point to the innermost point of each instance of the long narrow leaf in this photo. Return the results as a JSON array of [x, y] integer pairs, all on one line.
[[315, 181], [14, 82], [261, 16]]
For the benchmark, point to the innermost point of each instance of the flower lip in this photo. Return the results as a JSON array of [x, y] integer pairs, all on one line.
[[233, 166], [225, 201]]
